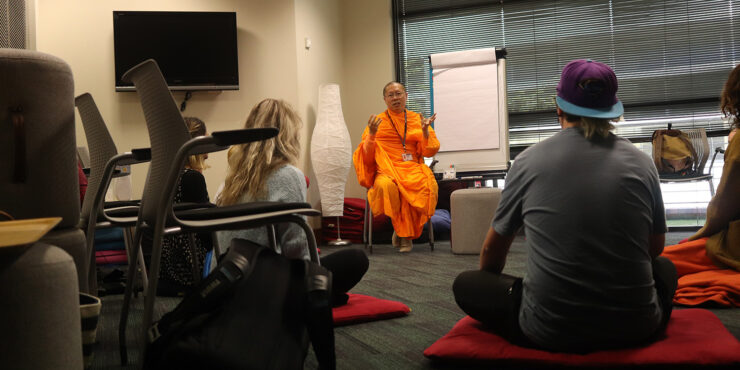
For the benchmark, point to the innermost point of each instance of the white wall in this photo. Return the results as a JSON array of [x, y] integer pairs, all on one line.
[[81, 33], [367, 50], [352, 45], [319, 21]]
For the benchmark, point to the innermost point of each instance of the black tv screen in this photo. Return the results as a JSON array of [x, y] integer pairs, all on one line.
[[194, 50]]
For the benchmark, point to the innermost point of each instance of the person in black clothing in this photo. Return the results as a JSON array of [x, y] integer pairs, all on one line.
[[176, 276]]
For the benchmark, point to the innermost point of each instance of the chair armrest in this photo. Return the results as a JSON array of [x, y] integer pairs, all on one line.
[[217, 141], [242, 136], [221, 140], [140, 155], [717, 150], [109, 171]]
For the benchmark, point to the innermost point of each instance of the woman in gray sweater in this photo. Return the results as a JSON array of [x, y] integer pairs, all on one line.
[[265, 171]]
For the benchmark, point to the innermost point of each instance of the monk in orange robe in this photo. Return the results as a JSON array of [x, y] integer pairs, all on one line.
[[390, 163]]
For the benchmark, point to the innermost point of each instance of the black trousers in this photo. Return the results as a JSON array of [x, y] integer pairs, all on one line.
[[495, 299], [347, 267]]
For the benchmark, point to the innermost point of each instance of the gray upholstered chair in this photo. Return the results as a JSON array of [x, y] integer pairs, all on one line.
[[38, 160], [40, 326], [170, 146], [103, 150]]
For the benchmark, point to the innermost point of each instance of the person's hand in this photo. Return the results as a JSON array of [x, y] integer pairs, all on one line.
[[372, 124], [426, 122]]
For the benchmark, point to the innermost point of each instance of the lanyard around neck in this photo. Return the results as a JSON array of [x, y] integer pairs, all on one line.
[[405, 126]]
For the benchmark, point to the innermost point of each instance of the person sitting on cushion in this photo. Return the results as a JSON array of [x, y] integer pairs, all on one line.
[[723, 212], [265, 171], [594, 223], [176, 276]]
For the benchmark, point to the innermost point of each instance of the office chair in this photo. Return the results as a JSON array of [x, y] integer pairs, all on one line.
[[170, 146], [698, 138], [92, 216]]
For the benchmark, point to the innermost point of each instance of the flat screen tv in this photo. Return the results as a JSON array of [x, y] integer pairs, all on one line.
[[194, 50]]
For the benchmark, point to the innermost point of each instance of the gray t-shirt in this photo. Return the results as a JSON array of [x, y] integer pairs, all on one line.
[[285, 184], [588, 209]]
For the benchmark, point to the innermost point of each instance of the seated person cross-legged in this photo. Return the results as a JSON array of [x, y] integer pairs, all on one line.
[[265, 171], [722, 226], [593, 217], [176, 276]]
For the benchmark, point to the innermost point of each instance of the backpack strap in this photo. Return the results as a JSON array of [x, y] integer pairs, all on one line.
[[319, 319], [238, 264]]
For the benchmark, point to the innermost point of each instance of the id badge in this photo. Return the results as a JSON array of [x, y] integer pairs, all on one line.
[[407, 157]]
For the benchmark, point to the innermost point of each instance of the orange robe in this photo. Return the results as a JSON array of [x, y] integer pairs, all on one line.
[[405, 191], [700, 281]]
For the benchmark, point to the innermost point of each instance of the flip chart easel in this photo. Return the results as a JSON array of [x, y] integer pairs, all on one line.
[[468, 93]]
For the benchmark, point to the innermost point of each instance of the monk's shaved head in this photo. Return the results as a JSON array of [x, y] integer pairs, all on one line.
[[392, 83]]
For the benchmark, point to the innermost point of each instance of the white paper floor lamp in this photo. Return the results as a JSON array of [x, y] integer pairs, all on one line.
[[331, 155]]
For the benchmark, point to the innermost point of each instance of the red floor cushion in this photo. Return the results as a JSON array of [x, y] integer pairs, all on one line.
[[693, 337], [362, 308], [117, 257]]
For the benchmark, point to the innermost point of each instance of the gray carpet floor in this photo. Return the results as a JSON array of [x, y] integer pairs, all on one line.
[[421, 279]]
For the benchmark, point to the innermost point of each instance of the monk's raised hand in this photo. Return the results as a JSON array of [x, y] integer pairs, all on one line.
[[373, 123], [426, 122]]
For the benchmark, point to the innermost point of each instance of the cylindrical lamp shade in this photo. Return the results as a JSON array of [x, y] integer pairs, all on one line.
[[331, 151]]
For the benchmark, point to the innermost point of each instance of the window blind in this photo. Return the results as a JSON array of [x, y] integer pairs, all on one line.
[[671, 57]]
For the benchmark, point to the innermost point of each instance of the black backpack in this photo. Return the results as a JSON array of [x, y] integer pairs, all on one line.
[[256, 310]]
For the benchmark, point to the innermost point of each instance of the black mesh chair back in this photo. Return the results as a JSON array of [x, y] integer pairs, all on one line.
[[103, 157], [101, 148], [167, 132]]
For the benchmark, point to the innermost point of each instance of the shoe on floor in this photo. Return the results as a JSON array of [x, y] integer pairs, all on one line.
[[395, 240], [406, 245]]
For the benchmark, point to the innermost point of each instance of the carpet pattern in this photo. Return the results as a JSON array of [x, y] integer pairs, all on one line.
[[421, 279]]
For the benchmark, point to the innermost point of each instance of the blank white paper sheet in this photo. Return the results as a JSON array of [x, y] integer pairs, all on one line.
[[465, 94]]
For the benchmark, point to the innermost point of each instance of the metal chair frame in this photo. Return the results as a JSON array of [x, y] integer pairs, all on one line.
[[104, 159]]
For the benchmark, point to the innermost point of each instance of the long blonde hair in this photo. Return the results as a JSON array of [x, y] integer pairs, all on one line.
[[251, 164], [196, 127]]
